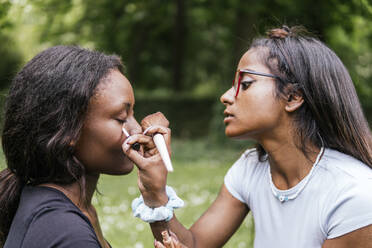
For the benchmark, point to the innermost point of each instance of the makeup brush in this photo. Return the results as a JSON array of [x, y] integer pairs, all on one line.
[[158, 119], [136, 146], [162, 148]]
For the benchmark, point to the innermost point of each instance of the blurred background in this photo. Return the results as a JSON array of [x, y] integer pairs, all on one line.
[[180, 57]]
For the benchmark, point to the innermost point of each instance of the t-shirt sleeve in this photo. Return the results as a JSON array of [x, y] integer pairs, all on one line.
[[237, 178], [60, 229], [350, 210]]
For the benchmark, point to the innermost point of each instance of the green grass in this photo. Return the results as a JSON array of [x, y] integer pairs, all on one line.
[[198, 176]]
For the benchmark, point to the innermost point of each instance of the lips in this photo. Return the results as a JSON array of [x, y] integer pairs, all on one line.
[[228, 116]]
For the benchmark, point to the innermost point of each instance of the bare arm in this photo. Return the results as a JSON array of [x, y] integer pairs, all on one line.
[[213, 228], [360, 238]]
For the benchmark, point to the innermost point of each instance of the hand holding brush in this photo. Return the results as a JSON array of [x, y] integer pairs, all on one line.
[[151, 121]]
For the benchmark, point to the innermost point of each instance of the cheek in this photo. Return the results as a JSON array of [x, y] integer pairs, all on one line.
[[256, 101], [99, 143], [259, 109], [264, 98], [111, 135], [107, 132]]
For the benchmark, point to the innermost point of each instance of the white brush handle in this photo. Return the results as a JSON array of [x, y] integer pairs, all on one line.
[[162, 148]]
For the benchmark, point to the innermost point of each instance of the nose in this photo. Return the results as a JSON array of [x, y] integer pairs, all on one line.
[[228, 97], [133, 126]]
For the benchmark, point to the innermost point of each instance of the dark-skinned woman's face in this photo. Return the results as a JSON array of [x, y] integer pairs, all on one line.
[[111, 108]]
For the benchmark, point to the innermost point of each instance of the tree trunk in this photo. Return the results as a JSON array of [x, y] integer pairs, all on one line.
[[179, 46]]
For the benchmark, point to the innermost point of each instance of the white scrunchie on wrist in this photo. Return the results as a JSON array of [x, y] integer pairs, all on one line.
[[161, 213]]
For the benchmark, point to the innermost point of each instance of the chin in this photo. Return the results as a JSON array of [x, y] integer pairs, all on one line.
[[122, 169], [232, 133], [127, 169], [237, 134]]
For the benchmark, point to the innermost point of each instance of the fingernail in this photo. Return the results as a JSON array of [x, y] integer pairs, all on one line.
[[165, 235], [126, 145], [147, 129]]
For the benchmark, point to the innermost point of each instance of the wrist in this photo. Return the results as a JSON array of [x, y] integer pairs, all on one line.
[[155, 212], [155, 200]]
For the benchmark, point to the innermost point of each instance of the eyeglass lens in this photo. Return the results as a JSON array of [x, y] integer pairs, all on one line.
[[238, 78]]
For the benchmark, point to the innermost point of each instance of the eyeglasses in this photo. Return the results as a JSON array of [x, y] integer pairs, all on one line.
[[239, 74]]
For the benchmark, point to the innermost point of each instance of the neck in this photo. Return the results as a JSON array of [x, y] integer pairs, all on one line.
[[288, 164], [75, 193]]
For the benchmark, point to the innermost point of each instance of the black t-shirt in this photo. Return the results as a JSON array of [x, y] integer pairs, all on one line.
[[47, 218]]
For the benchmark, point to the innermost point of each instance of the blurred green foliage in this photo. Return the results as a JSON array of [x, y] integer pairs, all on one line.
[[180, 112], [9, 54], [190, 157], [180, 56], [173, 49], [182, 45]]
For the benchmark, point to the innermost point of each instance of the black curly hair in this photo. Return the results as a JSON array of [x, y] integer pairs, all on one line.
[[44, 115]]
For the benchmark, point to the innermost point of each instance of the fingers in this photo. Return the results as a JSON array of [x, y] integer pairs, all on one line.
[[166, 132], [173, 236], [151, 130], [167, 240], [136, 156], [170, 240], [157, 244], [157, 123], [151, 152], [154, 119], [140, 138]]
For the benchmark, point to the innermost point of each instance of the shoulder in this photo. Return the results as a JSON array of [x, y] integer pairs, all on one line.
[[39, 202], [246, 171], [249, 158], [50, 219], [248, 163], [342, 166], [344, 176], [65, 227], [348, 202]]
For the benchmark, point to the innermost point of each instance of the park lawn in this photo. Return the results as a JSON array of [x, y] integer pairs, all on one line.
[[198, 176]]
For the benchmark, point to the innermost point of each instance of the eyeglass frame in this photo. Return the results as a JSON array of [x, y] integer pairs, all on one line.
[[240, 71]]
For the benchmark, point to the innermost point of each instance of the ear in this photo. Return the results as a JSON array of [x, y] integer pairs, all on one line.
[[294, 101]]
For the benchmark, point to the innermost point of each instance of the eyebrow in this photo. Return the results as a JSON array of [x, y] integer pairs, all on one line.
[[126, 106], [249, 71]]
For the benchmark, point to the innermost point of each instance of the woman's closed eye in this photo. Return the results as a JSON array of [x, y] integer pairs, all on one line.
[[245, 84], [120, 120]]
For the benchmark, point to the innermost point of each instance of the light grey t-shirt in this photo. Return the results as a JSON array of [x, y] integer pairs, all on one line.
[[336, 200]]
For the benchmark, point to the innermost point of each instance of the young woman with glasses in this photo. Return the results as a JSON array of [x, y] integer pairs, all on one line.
[[308, 182]]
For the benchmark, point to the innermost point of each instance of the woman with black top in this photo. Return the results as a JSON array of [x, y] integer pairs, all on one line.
[[63, 127]]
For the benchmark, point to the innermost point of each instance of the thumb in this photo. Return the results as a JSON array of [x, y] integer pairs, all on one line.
[[134, 156]]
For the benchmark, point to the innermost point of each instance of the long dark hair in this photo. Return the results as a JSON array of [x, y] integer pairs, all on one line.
[[44, 115], [331, 114]]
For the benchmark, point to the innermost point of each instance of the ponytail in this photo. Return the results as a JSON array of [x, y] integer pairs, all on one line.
[[10, 192]]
